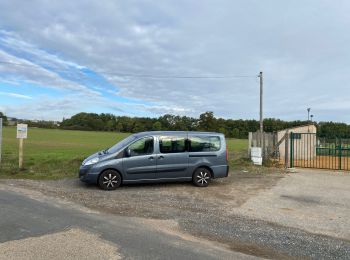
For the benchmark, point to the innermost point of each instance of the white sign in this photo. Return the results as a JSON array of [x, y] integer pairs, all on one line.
[[22, 130], [255, 151], [257, 160], [256, 155]]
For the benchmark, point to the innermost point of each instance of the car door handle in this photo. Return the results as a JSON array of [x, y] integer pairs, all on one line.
[[161, 157], [150, 158]]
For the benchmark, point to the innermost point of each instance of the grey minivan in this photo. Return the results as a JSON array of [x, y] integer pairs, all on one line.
[[158, 156]]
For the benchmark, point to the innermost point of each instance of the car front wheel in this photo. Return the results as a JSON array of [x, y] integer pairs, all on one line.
[[109, 180]]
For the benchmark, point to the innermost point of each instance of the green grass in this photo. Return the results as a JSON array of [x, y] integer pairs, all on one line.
[[55, 154], [52, 153], [237, 146]]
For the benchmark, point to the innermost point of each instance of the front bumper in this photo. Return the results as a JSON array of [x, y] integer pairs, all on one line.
[[85, 174]]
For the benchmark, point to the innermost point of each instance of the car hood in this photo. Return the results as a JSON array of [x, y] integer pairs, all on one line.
[[99, 154]]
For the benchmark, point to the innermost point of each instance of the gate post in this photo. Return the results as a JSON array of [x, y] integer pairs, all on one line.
[[286, 149]]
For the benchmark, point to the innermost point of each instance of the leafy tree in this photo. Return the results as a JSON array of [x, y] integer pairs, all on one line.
[[235, 133], [111, 125], [207, 121], [157, 126], [119, 126], [138, 127], [4, 118]]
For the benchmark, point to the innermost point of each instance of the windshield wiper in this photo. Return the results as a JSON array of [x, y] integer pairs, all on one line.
[[103, 151]]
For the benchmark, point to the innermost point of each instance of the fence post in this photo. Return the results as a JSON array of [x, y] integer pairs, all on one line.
[[286, 149], [263, 136]]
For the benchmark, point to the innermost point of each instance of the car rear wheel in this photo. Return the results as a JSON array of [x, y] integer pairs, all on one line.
[[201, 177], [109, 180]]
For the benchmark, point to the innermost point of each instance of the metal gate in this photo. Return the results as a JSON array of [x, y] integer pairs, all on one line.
[[309, 151]]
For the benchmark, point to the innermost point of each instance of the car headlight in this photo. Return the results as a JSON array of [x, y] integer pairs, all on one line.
[[92, 161]]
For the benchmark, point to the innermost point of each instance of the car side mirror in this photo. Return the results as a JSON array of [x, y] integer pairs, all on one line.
[[127, 152]]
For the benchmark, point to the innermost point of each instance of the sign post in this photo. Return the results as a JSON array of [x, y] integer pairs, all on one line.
[[22, 130]]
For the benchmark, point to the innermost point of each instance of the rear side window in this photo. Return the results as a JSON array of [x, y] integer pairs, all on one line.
[[204, 143], [172, 144]]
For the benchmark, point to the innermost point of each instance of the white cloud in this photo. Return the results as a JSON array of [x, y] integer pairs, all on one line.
[[47, 107], [300, 46], [16, 95], [17, 69]]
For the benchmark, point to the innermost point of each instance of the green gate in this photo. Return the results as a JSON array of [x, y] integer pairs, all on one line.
[[309, 151]]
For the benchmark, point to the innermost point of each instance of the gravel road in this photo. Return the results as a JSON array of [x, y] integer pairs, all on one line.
[[208, 213]]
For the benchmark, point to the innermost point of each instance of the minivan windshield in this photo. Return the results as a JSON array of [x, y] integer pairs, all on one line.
[[115, 148]]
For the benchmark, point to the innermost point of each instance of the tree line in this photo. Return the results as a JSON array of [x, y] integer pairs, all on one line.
[[206, 122]]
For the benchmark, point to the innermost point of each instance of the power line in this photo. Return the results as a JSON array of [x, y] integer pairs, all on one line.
[[182, 77], [131, 75]]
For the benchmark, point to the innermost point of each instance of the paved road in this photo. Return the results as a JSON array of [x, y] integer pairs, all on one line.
[[43, 229], [312, 200]]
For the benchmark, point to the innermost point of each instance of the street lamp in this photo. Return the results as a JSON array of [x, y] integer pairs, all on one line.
[[308, 114]]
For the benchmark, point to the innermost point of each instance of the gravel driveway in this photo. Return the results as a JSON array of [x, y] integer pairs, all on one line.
[[161, 201], [213, 213]]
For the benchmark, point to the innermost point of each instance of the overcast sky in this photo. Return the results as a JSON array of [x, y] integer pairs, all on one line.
[[58, 58]]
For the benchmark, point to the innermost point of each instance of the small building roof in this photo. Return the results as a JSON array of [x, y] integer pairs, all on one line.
[[296, 127]]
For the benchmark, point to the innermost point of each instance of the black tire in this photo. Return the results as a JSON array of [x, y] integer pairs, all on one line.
[[201, 177], [109, 180]]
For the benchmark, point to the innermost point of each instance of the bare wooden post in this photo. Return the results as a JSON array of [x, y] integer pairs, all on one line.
[[263, 146], [255, 139], [286, 153], [20, 160], [22, 130], [250, 137]]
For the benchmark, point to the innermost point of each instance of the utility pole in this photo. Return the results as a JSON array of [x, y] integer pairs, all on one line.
[[261, 109], [308, 119]]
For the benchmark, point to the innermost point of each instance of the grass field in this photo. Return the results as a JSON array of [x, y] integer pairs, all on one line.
[[55, 154]]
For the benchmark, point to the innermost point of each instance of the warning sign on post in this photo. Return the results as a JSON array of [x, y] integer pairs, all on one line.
[[22, 130]]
